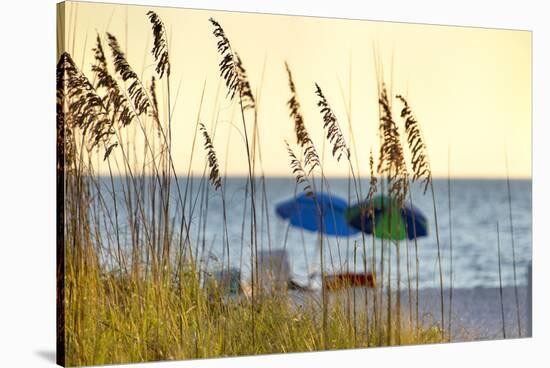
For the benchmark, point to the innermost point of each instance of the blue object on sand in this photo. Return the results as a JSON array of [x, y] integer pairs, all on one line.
[[321, 212]]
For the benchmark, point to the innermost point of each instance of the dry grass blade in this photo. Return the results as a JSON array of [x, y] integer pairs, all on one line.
[[334, 133], [298, 171], [232, 69], [65, 138], [215, 178], [311, 158], [421, 170], [109, 150], [153, 92], [302, 136], [154, 101], [115, 101], [234, 75], [136, 91], [373, 179], [160, 45], [392, 160], [247, 97], [227, 64], [420, 163], [86, 109]]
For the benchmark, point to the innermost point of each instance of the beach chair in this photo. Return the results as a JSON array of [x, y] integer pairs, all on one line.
[[273, 270], [274, 274]]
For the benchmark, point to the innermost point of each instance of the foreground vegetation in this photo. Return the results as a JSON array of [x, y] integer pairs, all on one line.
[[119, 319]]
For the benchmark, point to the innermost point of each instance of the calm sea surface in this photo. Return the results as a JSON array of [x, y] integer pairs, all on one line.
[[476, 205]]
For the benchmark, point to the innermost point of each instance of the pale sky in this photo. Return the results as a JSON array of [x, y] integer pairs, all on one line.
[[470, 88]]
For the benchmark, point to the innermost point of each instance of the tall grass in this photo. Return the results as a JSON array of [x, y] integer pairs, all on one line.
[[133, 287], [422, 171], [514, 267], [500, 283], [450, 242]]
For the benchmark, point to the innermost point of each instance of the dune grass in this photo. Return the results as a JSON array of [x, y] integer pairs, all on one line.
[[113, 318]]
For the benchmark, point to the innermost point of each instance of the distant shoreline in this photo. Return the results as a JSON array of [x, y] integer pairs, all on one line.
[[289, 177]]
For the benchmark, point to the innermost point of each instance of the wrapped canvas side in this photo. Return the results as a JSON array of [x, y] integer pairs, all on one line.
[[60, 192]]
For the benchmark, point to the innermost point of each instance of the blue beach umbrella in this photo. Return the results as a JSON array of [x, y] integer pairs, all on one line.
[[319, 212], [390, 220]]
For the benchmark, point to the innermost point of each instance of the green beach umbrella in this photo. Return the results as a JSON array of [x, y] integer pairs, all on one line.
[[390, 220]]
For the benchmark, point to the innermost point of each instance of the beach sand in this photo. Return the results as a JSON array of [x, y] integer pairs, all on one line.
[[476, 312]]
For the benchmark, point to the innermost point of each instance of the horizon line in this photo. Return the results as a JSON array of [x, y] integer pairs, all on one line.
[[282, 176]]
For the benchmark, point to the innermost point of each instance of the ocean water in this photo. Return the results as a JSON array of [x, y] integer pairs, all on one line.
[[477, 206]]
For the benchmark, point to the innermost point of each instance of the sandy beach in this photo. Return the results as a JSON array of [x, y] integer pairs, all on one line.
[[478, 311]]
